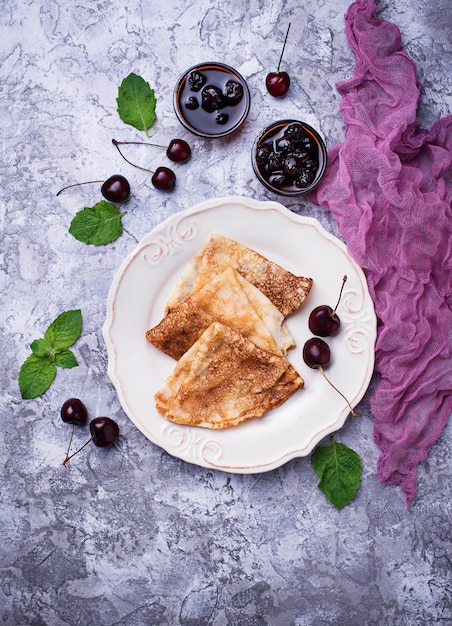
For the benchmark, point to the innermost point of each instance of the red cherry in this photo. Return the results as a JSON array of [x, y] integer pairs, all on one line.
[[115, 189], [164, 179], [278, 83], [316, 355], [323, 320], [178, 151], [104, 432], [74, 411]]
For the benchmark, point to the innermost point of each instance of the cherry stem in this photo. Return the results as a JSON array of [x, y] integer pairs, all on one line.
[[88, 182], [65, 462], [116, 143], [336, 389], [137, 143], [344, 280], [284, 46], [69, 446]]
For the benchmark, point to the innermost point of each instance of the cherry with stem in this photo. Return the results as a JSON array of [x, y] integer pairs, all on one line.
[[73, 412], [104, 432], [316, 355], [278, 82], [178, 150], [323, 320], [116, 188], [163, 178]]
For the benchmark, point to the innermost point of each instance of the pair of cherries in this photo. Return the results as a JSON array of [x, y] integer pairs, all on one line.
[[104, 431], [116, 188], [324, 322]]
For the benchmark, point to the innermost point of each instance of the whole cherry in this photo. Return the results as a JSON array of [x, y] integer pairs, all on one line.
[[104, 432], [178, 150], [316, 355], [73, 412], [164, 179], [278, 83], [116, 188], [323, 320]]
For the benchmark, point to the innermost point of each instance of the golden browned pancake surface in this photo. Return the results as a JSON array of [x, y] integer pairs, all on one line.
[[284, 289], [225, 379], [229, 299]]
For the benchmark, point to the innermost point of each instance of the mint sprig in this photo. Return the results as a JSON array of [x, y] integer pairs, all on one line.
[[49, 352], [339, 469], [136, 102], [97, 225]]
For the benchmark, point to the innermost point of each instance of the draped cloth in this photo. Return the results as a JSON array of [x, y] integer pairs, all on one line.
[[389, 187]]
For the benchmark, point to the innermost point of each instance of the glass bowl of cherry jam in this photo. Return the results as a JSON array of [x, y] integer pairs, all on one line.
[[211, 100], [289, 157]]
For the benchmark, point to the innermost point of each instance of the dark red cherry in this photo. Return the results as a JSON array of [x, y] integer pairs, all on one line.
[[278, 83], [74, 411], [116, 188], [323, 320], [316, 353], [178, 151], [164, 179], [104, 431]]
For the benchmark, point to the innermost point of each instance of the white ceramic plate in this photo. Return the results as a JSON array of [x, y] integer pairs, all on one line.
[[301, 245]]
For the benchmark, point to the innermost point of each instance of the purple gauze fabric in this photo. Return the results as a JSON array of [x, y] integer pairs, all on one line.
[[389, 187]]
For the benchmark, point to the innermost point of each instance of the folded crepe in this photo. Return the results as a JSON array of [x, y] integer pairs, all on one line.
[[228, 298], [284, 289], [225, 379]]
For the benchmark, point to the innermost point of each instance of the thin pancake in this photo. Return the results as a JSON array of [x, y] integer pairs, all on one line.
[[284, 289], [225, 379], [229, 299]]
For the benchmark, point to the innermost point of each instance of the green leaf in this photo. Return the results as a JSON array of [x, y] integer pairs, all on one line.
[[136, 102], [339, 469], [97, 225], [64, 331], [39, 369], [35, 376], [66, 359], [41, 347]]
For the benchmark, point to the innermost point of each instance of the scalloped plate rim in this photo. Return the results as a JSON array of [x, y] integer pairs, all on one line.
[[202, 448]]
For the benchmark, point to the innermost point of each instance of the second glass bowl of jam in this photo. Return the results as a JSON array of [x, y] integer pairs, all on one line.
[[211, 100], [289, 157]]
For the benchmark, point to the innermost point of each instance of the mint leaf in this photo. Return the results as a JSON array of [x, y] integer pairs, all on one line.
[[64, 331], [136, 102], [97, 225], [39, 369], [36, 376], [66, 359], [339, 469], [41, 347]]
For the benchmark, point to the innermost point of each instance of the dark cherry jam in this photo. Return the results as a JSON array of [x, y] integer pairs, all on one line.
[[289, 157], [211, 100]]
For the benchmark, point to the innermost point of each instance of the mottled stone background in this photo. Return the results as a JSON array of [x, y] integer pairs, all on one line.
[[130, 535]]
